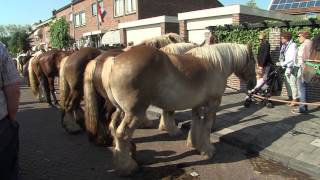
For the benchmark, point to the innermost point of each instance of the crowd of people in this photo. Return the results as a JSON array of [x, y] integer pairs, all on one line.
[[292, 60]]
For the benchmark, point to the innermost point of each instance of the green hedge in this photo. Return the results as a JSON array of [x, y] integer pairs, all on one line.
[[244, 36]]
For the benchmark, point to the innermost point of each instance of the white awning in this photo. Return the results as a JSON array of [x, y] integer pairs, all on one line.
[[111, 37], [92, 33]]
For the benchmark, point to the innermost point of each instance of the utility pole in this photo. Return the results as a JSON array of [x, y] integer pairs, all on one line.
[[73, 21], [98, 23]]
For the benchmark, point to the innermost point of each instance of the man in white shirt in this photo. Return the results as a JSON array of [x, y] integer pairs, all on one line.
[[288, 53]]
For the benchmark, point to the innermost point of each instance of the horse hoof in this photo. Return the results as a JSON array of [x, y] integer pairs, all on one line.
[[209, 153], [175, 133], [146, 124], [124, 166]]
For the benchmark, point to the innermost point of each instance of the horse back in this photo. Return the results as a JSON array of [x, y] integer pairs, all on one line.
[[100, 60], [76, 64]]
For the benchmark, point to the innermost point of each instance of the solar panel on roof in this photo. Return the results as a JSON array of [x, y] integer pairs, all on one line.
[[273, 7], [280, 6], [293, 4], [311, 4], [287, 6], [302, 4]]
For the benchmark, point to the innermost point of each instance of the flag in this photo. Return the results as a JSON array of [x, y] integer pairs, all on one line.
[[101, 14]]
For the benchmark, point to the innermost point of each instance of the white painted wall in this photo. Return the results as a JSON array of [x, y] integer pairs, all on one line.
[[197, 27], [197, 36], [202, 23], [138, 34]]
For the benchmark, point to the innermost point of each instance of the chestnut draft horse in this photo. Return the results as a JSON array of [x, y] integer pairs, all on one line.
[[71, 87], [146, 76], [43, 70], [98, 109]]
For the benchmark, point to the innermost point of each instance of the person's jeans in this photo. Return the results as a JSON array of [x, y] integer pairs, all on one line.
[[9, 148], [303, 95], [291, 84]]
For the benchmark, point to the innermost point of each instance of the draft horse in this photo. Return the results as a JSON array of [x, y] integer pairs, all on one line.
[[98, 108], [71, 87], [146, 76], [42, 71]]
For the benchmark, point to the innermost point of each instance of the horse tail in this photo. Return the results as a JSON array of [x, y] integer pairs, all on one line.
[[91, 100], [34, 82], [63, 84]]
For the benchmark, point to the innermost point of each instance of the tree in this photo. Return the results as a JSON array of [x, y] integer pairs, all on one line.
[[252, 4], [18, 42], [9, 30], [5, 40], [59, 34]]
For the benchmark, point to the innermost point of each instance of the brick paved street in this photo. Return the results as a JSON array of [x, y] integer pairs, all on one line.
[[47, 152]]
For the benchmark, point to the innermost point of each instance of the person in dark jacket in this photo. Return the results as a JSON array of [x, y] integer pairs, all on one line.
[[263, 56]]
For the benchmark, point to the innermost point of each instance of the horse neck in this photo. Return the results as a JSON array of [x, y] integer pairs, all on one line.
[[315, 55]]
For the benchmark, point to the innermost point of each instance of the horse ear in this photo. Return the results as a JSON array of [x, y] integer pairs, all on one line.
[[172, 39]]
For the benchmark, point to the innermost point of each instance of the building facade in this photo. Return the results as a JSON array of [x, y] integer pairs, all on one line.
[[85, 24], [40, 34]]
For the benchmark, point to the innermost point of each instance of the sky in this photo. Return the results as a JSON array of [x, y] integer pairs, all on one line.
[[24, 12]]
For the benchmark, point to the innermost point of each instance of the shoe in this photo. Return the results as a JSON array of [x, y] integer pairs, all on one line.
[[297, 111], [289, 98], [293, 103]]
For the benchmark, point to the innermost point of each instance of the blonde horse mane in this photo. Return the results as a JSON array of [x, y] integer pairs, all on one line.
[[161, 41], [227, 57], [178, 48], [34, 83]]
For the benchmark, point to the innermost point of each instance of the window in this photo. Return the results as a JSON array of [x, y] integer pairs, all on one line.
[[131, 6], [71, 17], [118, 7], [77, 17], [80, 19], [94, 8]]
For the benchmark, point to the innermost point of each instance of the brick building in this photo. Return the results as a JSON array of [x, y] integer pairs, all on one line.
[[40, 34], [84, 23]]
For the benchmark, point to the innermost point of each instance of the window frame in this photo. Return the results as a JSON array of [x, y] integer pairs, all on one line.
[[120, 8], [94, 5], [79, 15], [126, 6]]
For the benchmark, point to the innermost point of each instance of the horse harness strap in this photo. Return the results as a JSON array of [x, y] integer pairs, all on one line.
[[315, 66]]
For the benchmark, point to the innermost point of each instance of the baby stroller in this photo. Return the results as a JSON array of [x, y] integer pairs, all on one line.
[[271, 86]]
